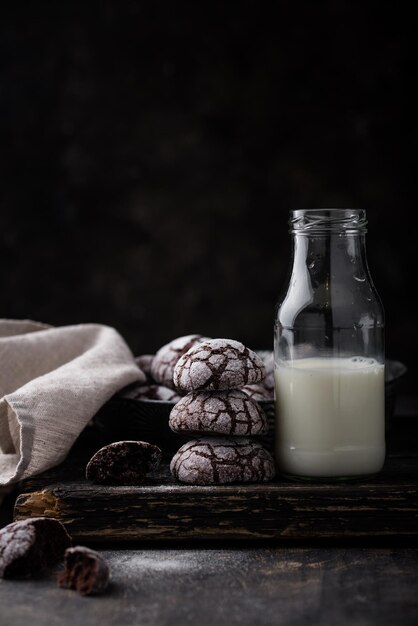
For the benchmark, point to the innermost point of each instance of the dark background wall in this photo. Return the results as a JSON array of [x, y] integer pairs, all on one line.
[[150, 152]]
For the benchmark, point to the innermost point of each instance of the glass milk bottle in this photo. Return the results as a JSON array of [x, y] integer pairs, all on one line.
[[329, 353]]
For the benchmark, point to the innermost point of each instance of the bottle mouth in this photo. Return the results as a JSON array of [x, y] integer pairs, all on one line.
[[347, 221]]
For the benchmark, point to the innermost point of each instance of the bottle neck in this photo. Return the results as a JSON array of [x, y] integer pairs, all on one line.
[[330, 283], [330, 243], [331, 307], [330, 256]]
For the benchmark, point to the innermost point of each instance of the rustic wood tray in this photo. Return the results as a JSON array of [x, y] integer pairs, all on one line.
[[164, 510]]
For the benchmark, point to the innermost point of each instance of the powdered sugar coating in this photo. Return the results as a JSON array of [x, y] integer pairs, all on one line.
[[220, 460], [228, 412], [218, 364], [163, 364]]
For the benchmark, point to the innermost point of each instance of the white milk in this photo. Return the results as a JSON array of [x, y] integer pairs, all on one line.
[[330, 417]]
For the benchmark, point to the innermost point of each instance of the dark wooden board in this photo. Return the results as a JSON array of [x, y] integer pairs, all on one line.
[[160, 510], [164, 510]]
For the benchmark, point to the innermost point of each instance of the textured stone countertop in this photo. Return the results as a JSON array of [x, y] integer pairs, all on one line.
[[224, 585]]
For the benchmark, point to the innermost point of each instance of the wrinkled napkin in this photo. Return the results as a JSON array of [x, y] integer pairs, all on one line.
[[52, 382]]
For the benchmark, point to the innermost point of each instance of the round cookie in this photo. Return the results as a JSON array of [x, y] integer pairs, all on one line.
[[264, 354], [218, 364], [259, 392], [268, 382], [144, 362], [164, 361], [31, 545], [263, 391], [220, 460], [228, 412]]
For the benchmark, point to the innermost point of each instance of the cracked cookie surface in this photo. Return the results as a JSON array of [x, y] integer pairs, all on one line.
[[218, 364], [228, 412], [165, 359], [221, 460]]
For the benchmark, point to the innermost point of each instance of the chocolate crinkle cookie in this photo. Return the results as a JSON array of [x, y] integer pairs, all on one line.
[[31, 545], [228, 412], [212, 460], [151, 392], [258, 392], [144, 362], [264, 390], [218, 364], [85, 571], [268, 381], [166, 358], [123, 463]]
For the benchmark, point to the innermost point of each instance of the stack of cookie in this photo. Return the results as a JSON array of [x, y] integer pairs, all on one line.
[[212, 374]]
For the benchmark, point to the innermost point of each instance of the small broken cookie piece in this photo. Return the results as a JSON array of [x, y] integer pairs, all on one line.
[[218, 364], [85, 571], [123, 463], [144, 362], [31, 545], [151, 392], [228, 412], [166, 358], [221, 460]]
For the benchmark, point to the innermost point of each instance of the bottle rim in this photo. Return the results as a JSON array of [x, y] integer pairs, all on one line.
[[305, 221]]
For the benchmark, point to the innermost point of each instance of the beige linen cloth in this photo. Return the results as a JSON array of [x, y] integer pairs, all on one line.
[[52, 381]]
